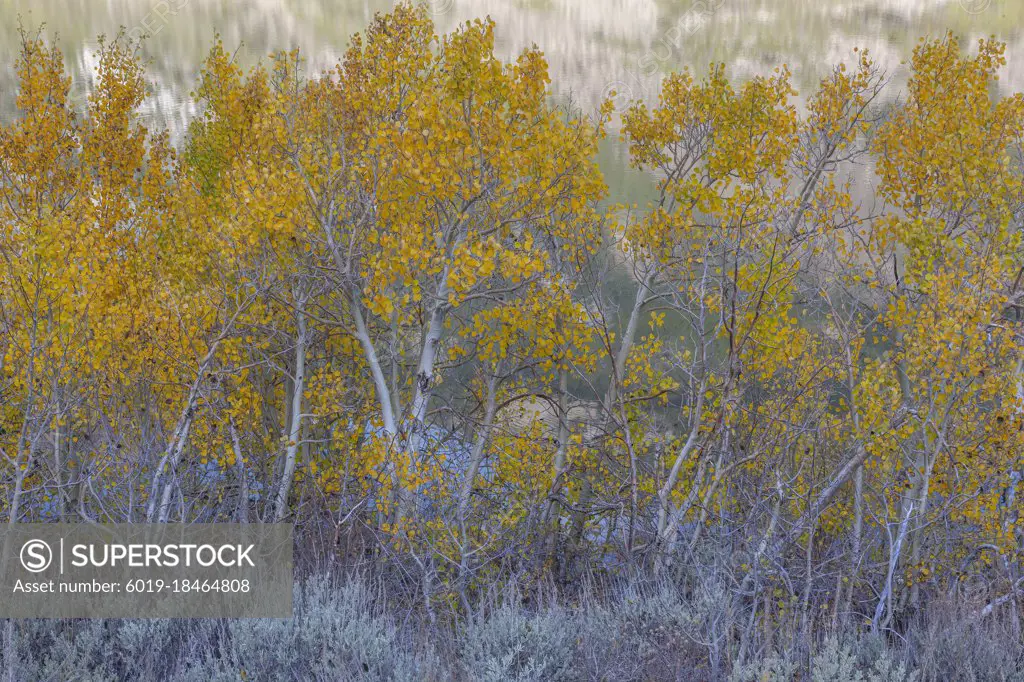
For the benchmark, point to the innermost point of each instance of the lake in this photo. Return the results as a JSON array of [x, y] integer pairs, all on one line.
[[594, 47]]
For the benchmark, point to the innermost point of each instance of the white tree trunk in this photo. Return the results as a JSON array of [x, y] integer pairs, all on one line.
[[179, 438], [295, 427]]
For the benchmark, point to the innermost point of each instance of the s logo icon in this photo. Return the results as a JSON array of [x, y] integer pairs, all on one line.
[[36, 556]]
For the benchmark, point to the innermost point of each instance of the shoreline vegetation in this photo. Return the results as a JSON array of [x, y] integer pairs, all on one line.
[[754, 429]]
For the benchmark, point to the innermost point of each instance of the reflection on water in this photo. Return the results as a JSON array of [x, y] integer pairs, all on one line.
[[593, 46]]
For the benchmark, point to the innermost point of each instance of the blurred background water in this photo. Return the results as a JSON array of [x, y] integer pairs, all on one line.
[[593, 47]]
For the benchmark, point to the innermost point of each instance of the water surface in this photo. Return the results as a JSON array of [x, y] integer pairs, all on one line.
[[593, 47]]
